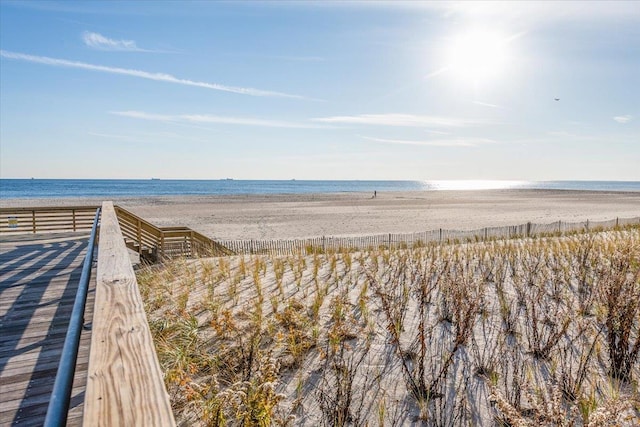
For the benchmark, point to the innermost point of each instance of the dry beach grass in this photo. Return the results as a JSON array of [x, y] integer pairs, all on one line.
[[516, 332]]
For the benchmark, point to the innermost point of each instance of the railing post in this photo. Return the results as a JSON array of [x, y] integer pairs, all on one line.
[[33, 220], [441, 235], [139, 235]]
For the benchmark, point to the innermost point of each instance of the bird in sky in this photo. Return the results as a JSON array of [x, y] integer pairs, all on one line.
[[557, 99]]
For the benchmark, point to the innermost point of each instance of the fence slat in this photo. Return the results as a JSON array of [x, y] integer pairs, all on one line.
[[326, 243]]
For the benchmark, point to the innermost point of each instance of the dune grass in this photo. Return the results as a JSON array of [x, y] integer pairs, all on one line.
[[518, 332]]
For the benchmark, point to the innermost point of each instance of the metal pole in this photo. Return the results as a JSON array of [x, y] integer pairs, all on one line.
[[61, 395]]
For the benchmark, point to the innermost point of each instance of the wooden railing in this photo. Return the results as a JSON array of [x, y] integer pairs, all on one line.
[[151, 242], [125, 384], [159, 243], [46, 219]]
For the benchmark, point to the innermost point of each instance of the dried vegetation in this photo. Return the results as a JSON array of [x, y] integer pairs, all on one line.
[[524, 332]]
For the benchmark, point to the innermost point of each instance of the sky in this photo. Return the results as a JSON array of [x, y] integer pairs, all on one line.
[[320, 90]]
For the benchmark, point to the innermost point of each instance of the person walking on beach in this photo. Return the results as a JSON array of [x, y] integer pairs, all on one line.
[[375, 194]]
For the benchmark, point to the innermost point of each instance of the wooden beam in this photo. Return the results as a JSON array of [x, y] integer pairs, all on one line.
[[125, 386]]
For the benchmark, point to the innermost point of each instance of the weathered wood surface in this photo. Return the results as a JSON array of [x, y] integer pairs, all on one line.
[[38, 282], [46, 219], [125, 386]]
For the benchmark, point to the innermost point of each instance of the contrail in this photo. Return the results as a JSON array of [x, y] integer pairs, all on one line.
[[160, 77]]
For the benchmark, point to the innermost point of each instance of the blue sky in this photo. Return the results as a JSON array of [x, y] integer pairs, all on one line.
[[337, 90]]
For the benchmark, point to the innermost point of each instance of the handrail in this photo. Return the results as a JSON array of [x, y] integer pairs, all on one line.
[[151, 242], [61, 395], [124, 381], [166, 242], [46, 219]]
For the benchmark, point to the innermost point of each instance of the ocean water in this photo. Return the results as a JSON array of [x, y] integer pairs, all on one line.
[[62, 188]]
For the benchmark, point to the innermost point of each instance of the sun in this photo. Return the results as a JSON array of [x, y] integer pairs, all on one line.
[[477, 56]]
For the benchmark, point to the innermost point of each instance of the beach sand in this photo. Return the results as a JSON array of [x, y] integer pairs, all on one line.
[[286, 216]]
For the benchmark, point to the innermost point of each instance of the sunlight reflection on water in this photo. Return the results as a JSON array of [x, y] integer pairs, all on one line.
[[474, 184]]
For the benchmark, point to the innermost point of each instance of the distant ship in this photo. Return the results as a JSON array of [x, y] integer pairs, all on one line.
[[155, 179]]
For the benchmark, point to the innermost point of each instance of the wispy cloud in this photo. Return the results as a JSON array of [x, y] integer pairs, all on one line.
[[455, 142], [100, 42], [436, 72], [111, 136], [623, 119], [486, 104], [407, 120], [206, 118], [291, 58], [160, 77], [145, 136], [437, 132], [492, 11], [299, 58]]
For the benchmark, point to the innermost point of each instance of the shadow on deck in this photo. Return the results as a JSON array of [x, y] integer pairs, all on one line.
[[38, 281]]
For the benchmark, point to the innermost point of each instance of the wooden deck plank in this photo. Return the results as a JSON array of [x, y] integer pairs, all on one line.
[[38, 281], [34, 408], [31, 275]]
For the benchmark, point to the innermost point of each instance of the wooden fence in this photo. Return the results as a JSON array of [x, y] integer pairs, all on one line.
[[46, 219], [160, 243], [151, 242], [390, 240]]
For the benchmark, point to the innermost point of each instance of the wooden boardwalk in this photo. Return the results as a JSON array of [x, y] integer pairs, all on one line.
[[39, 275]]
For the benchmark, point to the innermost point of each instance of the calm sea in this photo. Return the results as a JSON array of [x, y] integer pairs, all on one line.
[[59, 188]]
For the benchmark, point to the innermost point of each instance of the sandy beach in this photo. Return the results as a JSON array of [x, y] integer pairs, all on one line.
[[349, 214]]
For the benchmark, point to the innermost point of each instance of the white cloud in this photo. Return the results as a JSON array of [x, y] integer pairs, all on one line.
[[530, 11], [98, 41], [437, 132], [407, 120], [161, 77], [486, 104], [623, 119], [206, 118], [145, 137], [455, 142], [436, 72]]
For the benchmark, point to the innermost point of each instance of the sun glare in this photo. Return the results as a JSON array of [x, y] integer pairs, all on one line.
[[477, 56]]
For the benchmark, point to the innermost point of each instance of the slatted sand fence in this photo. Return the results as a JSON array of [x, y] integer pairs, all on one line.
[[394, 240], [39, 276]]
